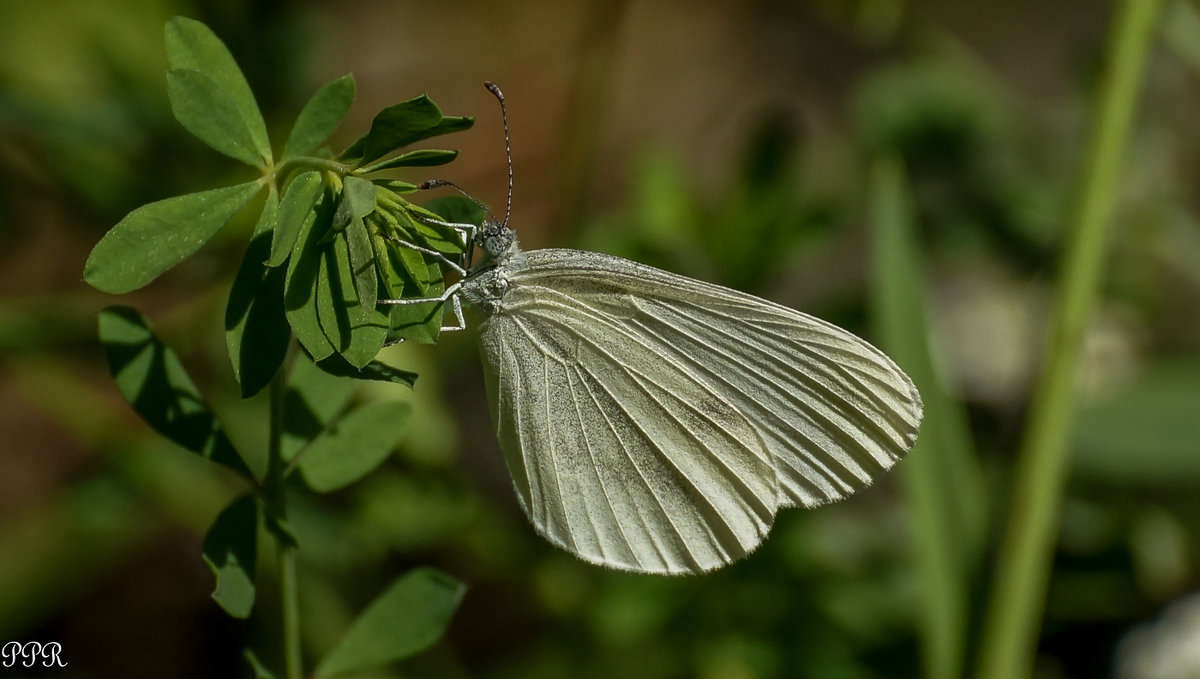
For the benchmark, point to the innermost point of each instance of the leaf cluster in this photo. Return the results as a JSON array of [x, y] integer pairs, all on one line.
[[334, 242]]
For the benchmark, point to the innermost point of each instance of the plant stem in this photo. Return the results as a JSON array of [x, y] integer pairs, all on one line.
[[276, 485], [1023, 571]]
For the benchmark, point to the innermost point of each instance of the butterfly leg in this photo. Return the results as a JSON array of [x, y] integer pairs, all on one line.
[[432, 253], [450, 293], [465, 231]]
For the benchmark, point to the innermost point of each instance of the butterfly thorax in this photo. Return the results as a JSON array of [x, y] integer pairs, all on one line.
[[488, 281]]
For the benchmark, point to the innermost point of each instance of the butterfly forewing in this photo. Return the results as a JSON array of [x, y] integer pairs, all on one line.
[[617, 455]]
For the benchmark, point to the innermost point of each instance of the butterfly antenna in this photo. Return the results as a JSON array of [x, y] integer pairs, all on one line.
[[495, 90], [439, 183]]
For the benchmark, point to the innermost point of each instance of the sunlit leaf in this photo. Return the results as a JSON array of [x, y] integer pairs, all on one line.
[[153, 380], [300, 295], [418, 158], [362, 266], [159, 235], [406, 619], [191, 45], [354, 445], [357, 333], [229, 551], [296, 206], [360, 196], [209, 112], [320, 117], [402, 124]]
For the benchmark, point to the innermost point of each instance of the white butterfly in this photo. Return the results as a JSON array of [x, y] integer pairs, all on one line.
[[655, 423]]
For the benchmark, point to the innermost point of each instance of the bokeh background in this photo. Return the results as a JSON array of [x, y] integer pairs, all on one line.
[[727, 140]]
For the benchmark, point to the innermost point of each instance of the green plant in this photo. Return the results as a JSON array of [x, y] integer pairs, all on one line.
[[332, 239]]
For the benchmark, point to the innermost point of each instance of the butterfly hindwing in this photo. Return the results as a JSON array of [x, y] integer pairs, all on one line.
[[616, 455]]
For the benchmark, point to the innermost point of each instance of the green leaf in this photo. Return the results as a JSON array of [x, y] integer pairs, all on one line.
[[159, 235], [153, 380], [406, 619], [256, 328], [331, 306], [229, 551], [209, 112], [260, 670], [191, 45], [943, 481], [403, 124], [421, 323], [320, 117], [358, 333], [313, 398], [298, 202], [354, 445], [375, 370], [362, 267], [456, 209], [360, 196], [434, 236], [303, 276], [418, 158]]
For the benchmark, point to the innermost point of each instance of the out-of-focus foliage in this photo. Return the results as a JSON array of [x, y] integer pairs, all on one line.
[[108, 519]]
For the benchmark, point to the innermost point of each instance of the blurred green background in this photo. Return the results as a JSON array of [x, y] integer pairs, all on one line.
[[733, 141]]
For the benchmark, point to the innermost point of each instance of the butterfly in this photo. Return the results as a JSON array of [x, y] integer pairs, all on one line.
[[655, 423]]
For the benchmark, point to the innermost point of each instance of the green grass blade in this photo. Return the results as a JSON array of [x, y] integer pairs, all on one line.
[[943, 481], [1023, 570]]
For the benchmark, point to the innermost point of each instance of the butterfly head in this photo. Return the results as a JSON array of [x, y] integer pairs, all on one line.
[[496, 240]]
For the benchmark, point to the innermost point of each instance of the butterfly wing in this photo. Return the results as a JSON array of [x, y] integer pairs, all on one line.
[[832, 410], [616, 455]]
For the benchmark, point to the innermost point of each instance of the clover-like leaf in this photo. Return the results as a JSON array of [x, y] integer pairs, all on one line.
[[295, 207], [153, 380], [320, 117], [159, 235], [406, 619], [356, 332], [191, 45], [255, 311], [210, 113], [229, 550], [362, 267], [354, 445], [314, 397], [303, 277], [418, 158], [402, 124], [381, 372]]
